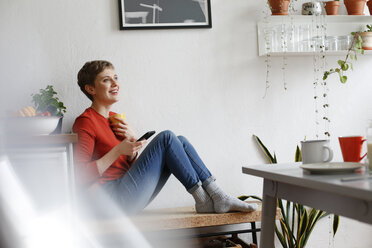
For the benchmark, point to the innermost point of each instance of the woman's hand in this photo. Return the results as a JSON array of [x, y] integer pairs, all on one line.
[[130, 147], [123, 130]]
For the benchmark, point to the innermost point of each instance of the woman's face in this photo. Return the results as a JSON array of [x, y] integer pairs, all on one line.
[[106, 87]]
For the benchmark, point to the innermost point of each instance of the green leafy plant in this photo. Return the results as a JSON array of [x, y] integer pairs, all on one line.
[[344, 65], [47, 101], [369, 28], [297, 221]]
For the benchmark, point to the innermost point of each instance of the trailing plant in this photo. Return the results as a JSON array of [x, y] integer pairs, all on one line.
[[297, 221], [344, 65], [46, 101]]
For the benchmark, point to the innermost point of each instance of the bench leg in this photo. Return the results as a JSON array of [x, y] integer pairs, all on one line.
[[254, 233]]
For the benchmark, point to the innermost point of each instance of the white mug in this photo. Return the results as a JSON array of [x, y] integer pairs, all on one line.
[[316, 151]]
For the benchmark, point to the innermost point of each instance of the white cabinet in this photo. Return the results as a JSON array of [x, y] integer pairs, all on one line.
[[43, 167], [306, 35]]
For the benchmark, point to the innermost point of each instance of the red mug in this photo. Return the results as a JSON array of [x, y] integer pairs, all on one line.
[[351, 148]]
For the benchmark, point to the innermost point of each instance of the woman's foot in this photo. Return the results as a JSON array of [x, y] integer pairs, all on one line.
[[203, 202], [223, 203], [227, 203]]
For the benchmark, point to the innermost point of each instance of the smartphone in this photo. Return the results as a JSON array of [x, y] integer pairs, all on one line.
[[146, 135]]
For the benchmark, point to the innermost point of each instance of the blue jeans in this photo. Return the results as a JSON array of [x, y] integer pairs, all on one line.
[[166, 154]]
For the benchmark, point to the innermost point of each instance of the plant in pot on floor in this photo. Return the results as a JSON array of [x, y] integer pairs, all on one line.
[[48, 104], [297, 221], [279, 7], [331, 7]]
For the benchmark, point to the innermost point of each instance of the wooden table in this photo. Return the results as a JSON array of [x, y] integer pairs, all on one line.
[[352, 199]]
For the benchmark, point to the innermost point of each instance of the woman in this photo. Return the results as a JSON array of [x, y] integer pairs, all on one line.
[[108, 153]]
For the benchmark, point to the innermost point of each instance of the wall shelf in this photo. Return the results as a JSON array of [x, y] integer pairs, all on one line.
[[300, 35], [327, 53]]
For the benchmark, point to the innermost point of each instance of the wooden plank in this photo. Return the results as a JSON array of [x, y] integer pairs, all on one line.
[[179, 218]]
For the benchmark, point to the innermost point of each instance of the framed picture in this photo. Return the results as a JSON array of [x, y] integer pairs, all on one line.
[[152, 14]]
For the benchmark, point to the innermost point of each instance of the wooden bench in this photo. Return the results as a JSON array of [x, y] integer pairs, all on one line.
[[185, 222]]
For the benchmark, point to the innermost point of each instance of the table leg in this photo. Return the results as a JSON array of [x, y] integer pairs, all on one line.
[[268, 214]]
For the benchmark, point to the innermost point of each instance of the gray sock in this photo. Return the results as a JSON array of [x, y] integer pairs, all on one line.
[[203, 202], [224, 203]]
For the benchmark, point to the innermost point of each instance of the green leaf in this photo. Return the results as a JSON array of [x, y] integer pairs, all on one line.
[[280, 205], [341, 63], [325, 76], [285, 231], [281, 238], [245, 197], [304, 222], [298, 157], [336, 221], [343, 79], [271, 159], [345, 67]]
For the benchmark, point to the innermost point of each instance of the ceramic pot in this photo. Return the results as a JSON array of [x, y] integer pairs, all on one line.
[[331, 7], [58, 129], [367, 40], [355, 7], [369, 4], [312, 8], [279, 7]]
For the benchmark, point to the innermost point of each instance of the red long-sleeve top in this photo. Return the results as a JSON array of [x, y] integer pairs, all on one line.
[[95, 139]]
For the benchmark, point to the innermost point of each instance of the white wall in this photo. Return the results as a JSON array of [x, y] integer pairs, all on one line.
[[207, 84]]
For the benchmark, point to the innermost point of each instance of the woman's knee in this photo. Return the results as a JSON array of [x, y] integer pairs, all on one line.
[[182, 139], [167, 135]]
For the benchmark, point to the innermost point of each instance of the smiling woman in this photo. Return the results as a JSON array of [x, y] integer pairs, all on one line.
[[106, 153]]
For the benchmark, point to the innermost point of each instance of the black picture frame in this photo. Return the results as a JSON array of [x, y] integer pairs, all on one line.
[[164, 14]]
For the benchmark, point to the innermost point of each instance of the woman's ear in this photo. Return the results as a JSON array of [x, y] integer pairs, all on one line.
[[89, 88]]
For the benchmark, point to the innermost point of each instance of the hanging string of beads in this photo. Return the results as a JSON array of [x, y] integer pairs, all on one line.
[[268, 46]]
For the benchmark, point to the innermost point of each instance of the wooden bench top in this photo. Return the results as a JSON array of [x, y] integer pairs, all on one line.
[[182, 218]]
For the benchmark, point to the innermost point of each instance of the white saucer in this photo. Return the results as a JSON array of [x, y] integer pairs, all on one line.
[[330, 168]]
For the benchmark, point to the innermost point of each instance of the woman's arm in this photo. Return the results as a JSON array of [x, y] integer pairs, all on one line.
[[126, 147], [90, 170]]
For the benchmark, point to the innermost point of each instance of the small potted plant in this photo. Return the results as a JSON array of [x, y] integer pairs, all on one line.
[[48, 104], [279, 7], [331, 7], [367, 38], [355, 7]]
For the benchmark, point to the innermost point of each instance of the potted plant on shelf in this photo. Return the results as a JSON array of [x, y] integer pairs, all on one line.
[[48, 104], [369, 4], [355, 7], [279, 7], [331, 7], [367, 38]]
